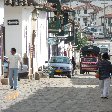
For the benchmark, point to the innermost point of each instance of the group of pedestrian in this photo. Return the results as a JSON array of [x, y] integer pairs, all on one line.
[[104, 69]]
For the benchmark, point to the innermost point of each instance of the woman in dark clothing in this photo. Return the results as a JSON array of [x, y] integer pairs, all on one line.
[[104, 67], [73, 63]]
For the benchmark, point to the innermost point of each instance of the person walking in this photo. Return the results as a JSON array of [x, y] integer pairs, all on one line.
[[73, 63], [14, 58], [104, 67]]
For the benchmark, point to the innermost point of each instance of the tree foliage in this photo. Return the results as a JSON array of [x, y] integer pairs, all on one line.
[[81, 40]]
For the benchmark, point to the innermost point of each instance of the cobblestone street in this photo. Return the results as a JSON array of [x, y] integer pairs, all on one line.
[[78, 94]]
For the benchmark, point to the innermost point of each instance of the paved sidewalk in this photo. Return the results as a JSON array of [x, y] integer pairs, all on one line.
[[79, 94]]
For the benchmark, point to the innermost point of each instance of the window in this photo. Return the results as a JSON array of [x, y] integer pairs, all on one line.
[[106, 20], [85, 11], [85, 24], [78, 11], [109, 21], [89, 59], [101, 34], [78, 19], [84, 19], [73, 13]]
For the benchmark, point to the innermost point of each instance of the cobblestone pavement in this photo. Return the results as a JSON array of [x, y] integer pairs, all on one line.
[[78, 94]]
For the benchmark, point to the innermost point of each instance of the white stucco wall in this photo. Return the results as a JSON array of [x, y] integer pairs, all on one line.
[[26, 29], [13, 33], [1, 22], [1, 12], [41, 40], [16, 34], [99, 3]]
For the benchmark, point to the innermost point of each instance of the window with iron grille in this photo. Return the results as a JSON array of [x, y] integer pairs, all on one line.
[[85, 11], [84, 19], [109, 21]]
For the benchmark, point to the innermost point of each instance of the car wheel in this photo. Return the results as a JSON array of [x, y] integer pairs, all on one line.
[[18, 78], [51, 76], [69, 75], [81, 71]]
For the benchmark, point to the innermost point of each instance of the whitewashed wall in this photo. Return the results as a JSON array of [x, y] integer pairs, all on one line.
[[61, 45], [1, 22], [108, 10], [1, 12], [16, 34], [13, 33], [41, 40], [82, 15], [26, 29]]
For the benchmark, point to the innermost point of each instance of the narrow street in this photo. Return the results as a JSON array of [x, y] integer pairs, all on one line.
[[79, 94]]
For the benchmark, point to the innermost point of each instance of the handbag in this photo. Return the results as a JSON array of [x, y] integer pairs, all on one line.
[[97, 75]]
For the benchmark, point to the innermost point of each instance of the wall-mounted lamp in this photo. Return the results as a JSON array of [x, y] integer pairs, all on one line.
[[35, 14]]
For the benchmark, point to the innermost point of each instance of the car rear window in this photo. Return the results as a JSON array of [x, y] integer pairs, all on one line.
[[103, 50], [100, 33], [89, 59]]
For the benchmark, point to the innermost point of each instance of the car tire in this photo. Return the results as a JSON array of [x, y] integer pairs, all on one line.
[[69, 75], [18, 78], [51, 76], [81, 71]]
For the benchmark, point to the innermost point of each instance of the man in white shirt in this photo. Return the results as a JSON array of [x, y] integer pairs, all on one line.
[[14, 58]]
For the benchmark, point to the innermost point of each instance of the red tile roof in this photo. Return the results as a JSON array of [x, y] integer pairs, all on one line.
[[107, 16], [88, 6]]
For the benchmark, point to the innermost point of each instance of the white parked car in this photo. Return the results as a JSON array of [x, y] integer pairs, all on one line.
[[98, 35], [60, 65], [22, 73]]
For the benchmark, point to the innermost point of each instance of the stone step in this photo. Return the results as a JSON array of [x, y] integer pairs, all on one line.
[[5, 81]]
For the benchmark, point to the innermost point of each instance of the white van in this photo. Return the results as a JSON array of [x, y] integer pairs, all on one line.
[[98, 35]]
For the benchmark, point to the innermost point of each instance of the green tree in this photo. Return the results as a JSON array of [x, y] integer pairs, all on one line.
[[81, 41]]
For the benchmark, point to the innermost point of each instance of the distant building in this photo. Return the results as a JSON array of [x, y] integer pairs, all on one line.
[[85, 14]]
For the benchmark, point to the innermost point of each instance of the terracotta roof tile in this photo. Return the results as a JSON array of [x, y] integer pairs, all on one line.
[[88, 6], [107, 16]]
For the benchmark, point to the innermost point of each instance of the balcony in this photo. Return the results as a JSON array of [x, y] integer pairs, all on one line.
[[54, 25]]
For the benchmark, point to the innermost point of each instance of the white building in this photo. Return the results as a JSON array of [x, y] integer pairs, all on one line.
[[83, 14], [1, 11], [19, 28], [88, 13], [1, 23]]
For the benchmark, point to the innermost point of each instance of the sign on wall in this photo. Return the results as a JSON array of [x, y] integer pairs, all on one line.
[[13, 22]]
